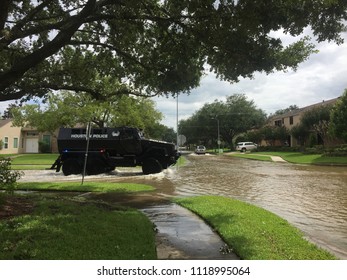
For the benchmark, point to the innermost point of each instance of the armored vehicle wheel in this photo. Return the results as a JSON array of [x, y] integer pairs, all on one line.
[[151, 166], [95, 166], [71, 166]]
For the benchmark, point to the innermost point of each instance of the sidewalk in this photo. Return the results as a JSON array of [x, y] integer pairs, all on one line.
[[273, 158], [183, 235], [277, 159]]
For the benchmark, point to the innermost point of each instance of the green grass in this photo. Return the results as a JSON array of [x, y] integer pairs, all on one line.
[[331, 160], [86, 187], [32, 161], [181, 161], [252, 156], [295, 157], [252, 232], [308, 158], [7, 155], [70, 230]]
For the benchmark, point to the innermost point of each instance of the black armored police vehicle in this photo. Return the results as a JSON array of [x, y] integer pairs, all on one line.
[[109, 148]]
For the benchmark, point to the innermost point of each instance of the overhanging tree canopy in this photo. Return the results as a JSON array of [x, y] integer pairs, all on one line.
[[152, 47]]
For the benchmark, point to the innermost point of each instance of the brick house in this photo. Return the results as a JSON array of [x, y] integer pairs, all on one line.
[[292, 118], [19, 140]]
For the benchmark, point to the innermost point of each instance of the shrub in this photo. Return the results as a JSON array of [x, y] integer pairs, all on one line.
[[317, 149], [338, 151], [278, 149], [44, 147], [312, 140], [8, 177]]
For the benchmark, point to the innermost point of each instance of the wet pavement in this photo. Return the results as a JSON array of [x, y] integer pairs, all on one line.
[[180, 234], [183, 235]]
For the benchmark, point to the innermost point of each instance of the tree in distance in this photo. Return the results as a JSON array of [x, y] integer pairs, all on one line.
[[66, 109], [226, 119]]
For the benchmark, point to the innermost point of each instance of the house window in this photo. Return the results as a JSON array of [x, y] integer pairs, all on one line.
[[5, 142], [32, 133], [15, 143], [278, 123], [291, 120]]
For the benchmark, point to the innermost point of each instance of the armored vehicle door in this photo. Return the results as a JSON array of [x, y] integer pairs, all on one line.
[[130, 142]]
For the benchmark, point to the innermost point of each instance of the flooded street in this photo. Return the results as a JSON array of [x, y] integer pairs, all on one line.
[[312, 198]]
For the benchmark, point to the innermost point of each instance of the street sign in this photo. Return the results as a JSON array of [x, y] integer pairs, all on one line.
[[181, 140]]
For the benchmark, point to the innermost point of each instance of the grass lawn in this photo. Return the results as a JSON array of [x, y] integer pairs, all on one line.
[[62, 229], [252, 232], [57, 228], [32, 161], [295, 157], [181, 161], [309, 159], [86, 187], [252, 156]]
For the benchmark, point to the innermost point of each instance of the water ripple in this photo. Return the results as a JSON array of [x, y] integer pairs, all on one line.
[[313, 198]]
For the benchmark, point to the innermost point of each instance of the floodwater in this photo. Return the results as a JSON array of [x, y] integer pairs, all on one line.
[[312, 198]]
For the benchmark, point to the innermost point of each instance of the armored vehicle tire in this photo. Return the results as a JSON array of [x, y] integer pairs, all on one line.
[[151, 166], [71, 166], [95, 166]]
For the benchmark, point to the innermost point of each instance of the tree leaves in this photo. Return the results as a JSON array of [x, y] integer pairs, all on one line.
[[153, 47], [68, 110], [235, 116]]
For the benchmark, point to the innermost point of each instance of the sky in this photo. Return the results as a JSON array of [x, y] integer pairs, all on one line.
[[322, 77]]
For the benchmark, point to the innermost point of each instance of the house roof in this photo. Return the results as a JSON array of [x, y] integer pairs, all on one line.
[[4, 121], [300, 110]]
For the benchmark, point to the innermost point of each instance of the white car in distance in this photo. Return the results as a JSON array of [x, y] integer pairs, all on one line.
[[200, 150], [246, 146]]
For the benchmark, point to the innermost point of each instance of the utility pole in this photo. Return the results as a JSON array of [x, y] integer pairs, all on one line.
[[87, 150]]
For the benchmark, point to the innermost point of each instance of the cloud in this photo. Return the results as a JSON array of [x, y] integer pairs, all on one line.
[[3, 106], [321, 77]]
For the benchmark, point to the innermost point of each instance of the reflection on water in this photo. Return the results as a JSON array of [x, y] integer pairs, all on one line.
[[313, 198]]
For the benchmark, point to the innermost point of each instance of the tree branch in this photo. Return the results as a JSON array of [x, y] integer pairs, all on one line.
[[4, 13], [64, 36], [111, 47]]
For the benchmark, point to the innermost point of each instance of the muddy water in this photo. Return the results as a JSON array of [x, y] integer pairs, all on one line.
[[313, 198]]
